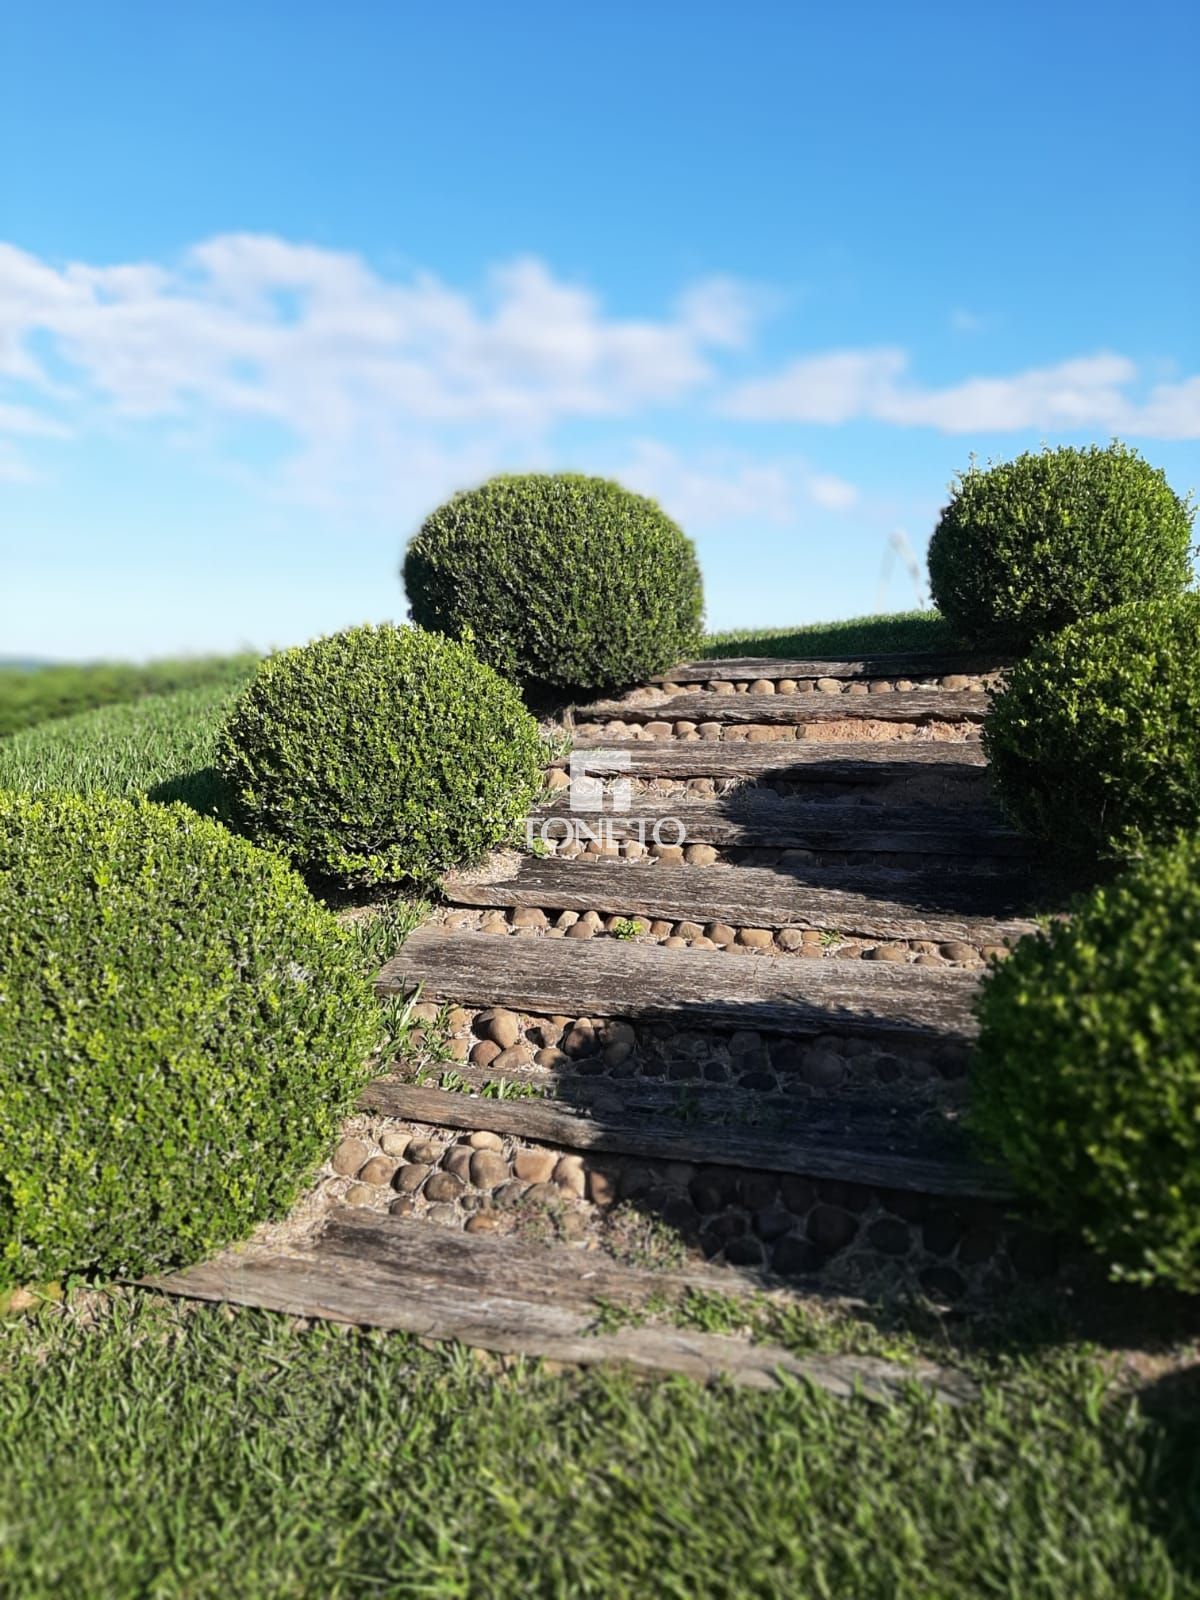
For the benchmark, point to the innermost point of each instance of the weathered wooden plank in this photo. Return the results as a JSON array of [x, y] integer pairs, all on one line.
[[516, 1298], [843, 1140], [848, 762], [648, 982], [867, 904], [914, 664], [760, 817], [919, 705]]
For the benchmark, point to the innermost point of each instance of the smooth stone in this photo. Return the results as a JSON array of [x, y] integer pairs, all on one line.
[[488, 1169], [379, 1171], [349, 1156], [444, 1187], [534, 1166]]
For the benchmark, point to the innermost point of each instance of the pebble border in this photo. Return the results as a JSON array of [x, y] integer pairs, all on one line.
[[804, 943], [953, 682], [847, 1236], [512, 1044]]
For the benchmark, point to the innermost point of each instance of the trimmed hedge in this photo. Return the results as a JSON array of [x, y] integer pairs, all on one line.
[[181, 1029], [1094, 742], [565, 581], [1030, 545], [380, 755], [1086, 1078]]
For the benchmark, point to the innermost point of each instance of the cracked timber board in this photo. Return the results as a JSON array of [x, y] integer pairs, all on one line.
[[913, 665], [937, 908], [648, 982], [515, 1298], [855, 1143], [843, 762], [760, 817]]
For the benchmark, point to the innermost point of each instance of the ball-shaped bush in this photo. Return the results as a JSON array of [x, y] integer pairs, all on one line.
[[181, 1028], [562, 580], [1030, 545], [1086, 1078], [379, 755], [1094, 741]]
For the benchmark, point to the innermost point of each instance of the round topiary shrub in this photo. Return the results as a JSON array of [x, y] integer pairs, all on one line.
[[1026, 547], [1086, 1078], [1094, 741], [566, 581], [379, 755], [181, 1028]]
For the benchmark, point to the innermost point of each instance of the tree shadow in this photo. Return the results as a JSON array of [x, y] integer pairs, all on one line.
[[203, 790], [976, 869]]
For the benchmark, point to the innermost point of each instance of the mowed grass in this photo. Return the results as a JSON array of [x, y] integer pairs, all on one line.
[[155, 1449], [152, 1449], [161, 746], [30, 696], [879, 635]]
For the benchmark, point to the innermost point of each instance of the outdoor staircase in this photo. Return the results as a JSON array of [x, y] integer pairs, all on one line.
[[756, 1038]]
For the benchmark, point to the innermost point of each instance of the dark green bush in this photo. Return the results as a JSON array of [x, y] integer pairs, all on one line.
[[1026, 547], [181, 1028], [566, 581], [380, 755], [1087, 1074], [1095, 740]]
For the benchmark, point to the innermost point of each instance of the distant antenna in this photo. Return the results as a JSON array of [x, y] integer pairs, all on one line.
[[898, 545]]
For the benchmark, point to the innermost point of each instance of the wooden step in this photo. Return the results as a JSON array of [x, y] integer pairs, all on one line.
[[648, 982], [852, 1140], [848, 763], [916, 665], [517, 1298], [751, 817], [778, 710], [938, 907]]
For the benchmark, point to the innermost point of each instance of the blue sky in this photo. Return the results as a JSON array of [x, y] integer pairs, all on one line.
[[277, 278]]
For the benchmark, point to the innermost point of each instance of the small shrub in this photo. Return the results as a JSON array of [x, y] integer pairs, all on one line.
[[1086, 1078], [380, 755], [1095, 740], [567, 581], [1030, 545], [181, 1028]]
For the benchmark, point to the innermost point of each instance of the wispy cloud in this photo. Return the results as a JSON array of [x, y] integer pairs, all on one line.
[[254, 326], [718, 488], [1088, 392], [376, 381], [964, 321]]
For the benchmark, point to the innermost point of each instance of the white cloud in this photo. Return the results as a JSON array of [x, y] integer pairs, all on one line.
[[1090, 392], [252, 326], [835, 387], [716, 488], [964, 321], [835, 494], [378, 382]]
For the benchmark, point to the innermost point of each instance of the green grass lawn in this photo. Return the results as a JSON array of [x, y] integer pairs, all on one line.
[[161, 745], [30, 696], [154, 1449], [903, 630]]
